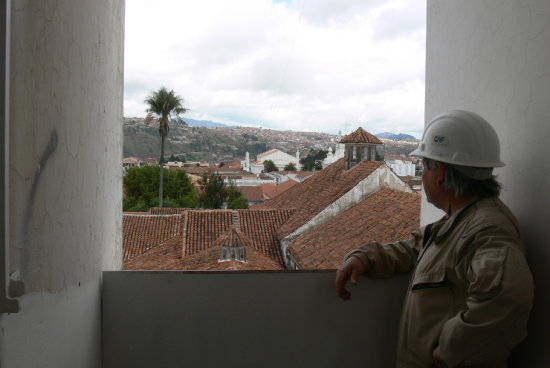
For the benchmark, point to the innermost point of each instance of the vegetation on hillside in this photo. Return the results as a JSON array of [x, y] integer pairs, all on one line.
[[216, 145], [193, 143]]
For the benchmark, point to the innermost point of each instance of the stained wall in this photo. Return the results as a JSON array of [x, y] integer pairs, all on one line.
[[65, 174]]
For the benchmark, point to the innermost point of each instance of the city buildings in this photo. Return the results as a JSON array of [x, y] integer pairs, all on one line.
[[62, 218], [357, 200]]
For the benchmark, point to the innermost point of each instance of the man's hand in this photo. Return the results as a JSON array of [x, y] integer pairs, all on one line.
[[438, 362], [350, 270]]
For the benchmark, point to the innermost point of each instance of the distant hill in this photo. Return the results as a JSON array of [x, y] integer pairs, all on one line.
[[396, 137], [229, 143], [202, 123]]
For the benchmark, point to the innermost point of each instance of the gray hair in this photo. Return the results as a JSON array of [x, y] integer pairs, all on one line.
[[461, 185]]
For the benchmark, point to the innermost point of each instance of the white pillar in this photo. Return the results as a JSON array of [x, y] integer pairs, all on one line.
[[492, 57], [65, 178]]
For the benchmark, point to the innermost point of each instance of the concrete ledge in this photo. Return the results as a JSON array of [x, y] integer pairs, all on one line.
[[212, 319]]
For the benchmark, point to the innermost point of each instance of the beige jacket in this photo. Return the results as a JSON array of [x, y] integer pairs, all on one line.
[[471, 289]]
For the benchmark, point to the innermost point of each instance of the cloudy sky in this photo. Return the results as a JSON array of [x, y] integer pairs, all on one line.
[[307, 65]]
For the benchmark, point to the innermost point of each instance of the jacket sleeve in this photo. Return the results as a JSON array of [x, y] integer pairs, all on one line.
[[499, 299], [385, 260]]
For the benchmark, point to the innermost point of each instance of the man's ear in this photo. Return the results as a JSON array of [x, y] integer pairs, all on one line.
[[440, 178]]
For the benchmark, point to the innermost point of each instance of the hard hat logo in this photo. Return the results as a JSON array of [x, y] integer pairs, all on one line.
[[440, 139]]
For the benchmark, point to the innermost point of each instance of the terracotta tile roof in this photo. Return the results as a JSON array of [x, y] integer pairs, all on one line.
[[283, 187], [203, 228], [268, 189], [305, 174], [233, 238], [231, 165], [197, 170], [166, 256], [260, 227], [361, 136], [199, 236], [385, 216], [252, 193], [315, 194], [130, 160], [208, 260], [164, 211], [144, 232]]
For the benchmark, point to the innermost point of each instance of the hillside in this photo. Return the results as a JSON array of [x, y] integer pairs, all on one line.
[[229, 143], [396, 137], [216, 144]]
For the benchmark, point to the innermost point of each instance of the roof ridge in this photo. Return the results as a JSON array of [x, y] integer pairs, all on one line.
[[151, 215], [361, 136]]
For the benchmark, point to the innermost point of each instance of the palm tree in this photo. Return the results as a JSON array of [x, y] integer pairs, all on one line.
[[163, 104]]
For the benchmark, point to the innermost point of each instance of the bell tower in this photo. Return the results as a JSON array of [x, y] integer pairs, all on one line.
[[359, 146]]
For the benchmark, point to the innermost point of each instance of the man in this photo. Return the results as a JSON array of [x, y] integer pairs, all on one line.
[[471, 290]]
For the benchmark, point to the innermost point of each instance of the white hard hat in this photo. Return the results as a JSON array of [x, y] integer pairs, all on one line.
[[462, 138]]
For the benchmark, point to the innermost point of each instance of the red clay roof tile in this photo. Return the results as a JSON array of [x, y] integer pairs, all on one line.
[[283, 187], [233, 239], [198, 232], [252, 193], [315, 194], [268, 189], [144, 232], [361, 136], [385, 216]]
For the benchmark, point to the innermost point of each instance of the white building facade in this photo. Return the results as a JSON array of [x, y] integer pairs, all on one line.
[[402, 168], [280, 159], [333, 157]]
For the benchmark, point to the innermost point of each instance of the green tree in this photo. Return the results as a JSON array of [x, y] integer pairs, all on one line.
[[213, 192], [163, 104], [306, 165], [235, 198], [238, 203], [269, 166], [290, 167], [179, 189], [141, 183], [314, 160]]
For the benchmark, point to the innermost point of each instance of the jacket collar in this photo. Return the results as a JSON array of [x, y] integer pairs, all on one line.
[[445, 225]]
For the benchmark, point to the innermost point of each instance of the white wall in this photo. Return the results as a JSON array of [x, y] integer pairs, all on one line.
[[402, 168], [280, 159], [493, 57], [65, 178]]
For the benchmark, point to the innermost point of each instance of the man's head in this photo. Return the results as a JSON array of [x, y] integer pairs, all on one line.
[[459, 150], [462, 185]]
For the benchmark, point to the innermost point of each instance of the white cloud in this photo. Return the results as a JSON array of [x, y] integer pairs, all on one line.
[[326, 65]]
